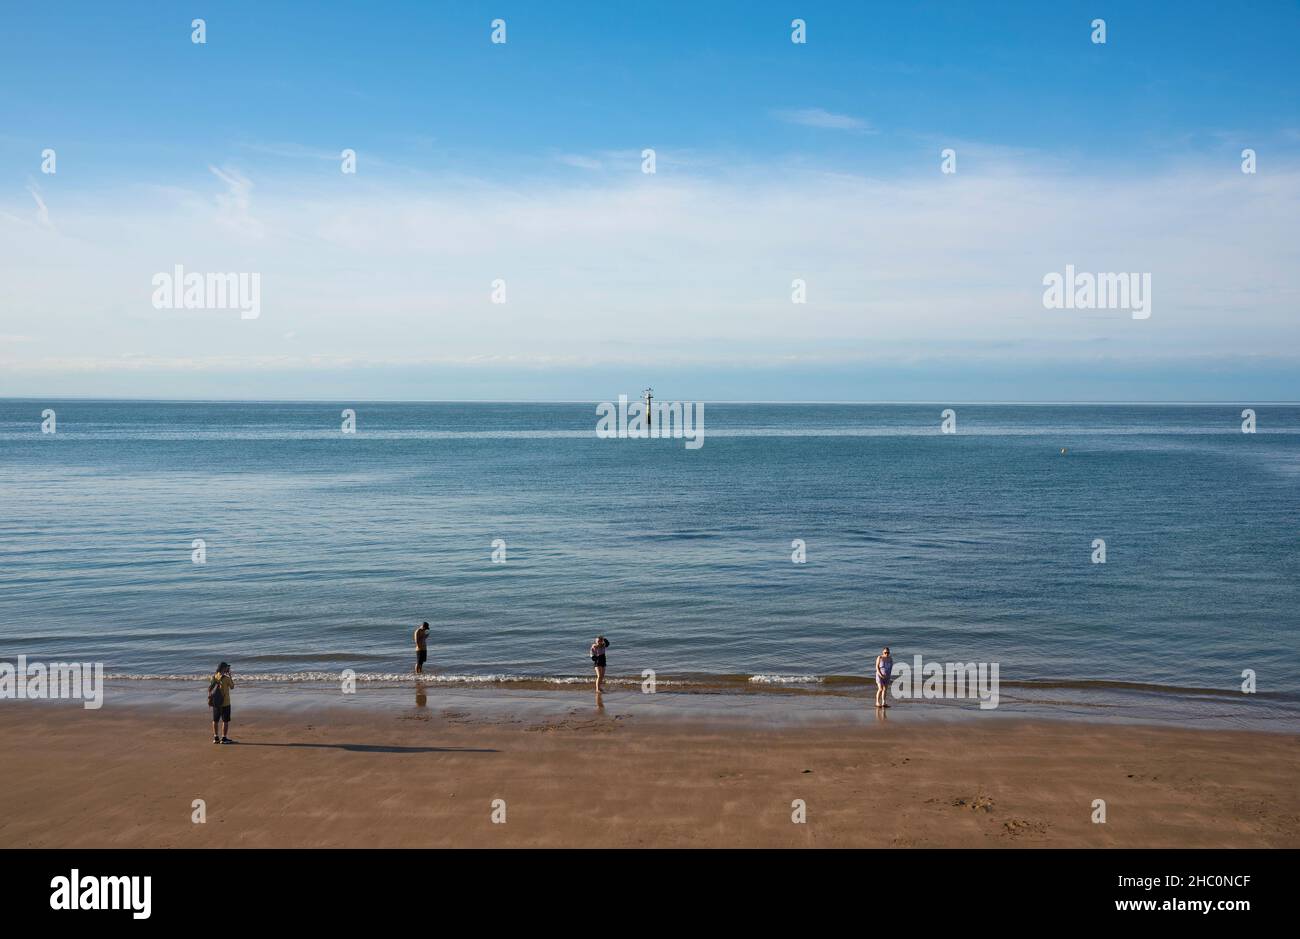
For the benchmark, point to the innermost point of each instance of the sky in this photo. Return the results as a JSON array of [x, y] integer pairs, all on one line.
[[515, 171]]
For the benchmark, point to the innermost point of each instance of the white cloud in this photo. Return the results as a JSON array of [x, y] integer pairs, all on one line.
[[579, 161], [819, 117], [650, 269], [42, 211], [234, 206]]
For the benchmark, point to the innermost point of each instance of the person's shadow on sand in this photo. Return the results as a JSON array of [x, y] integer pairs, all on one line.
[[371, 748]]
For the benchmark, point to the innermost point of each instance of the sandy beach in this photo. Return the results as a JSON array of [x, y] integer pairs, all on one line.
[[570, 775]]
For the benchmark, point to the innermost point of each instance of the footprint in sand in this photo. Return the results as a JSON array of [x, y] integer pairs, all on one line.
[[1018, 827], [599, 727]]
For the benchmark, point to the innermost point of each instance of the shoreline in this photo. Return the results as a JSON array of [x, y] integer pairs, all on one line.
[[319, 770], [848, 698]]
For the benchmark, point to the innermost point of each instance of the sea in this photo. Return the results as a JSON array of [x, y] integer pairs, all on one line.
[[1144, 554]]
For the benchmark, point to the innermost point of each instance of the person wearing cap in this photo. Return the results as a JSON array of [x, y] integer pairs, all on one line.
[[219, 688]]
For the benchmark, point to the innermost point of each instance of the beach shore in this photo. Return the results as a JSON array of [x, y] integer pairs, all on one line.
[[309, 774]]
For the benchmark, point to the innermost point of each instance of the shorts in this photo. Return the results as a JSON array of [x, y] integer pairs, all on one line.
[[598, 661], [421, 656], [221, 713]]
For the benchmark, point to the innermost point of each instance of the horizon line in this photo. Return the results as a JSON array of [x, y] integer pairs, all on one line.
[[927, 401]]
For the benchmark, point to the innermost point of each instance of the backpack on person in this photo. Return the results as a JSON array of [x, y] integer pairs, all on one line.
[[215, 697]]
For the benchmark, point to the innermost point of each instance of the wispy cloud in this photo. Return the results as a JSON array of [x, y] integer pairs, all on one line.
[[826, 120], [291, 151], [42, 211], [660, 267], [234, 206], [579, 161]]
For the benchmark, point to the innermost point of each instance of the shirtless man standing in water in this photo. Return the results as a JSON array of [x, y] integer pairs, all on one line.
[[421, 649]]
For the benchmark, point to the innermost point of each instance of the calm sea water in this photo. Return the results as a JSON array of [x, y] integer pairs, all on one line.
[[324, 550]]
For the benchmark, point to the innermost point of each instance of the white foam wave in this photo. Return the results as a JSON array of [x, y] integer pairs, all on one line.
[[387, 678], [785, 679]]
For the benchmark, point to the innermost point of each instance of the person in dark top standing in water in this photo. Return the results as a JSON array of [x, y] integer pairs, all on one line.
[[598, 659], [421, 647]]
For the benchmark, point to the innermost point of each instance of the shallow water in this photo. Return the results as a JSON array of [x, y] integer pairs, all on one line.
[[324, 550]]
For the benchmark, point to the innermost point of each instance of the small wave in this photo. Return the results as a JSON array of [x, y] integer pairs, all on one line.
[[786, 679], [694, 682], [490, 679], [286, 677], [390, 678]]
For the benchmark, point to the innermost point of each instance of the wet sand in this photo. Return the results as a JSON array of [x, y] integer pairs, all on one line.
[[311, 774]]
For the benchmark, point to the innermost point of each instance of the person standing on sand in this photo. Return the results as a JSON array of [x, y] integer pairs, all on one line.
[[598, 659], [884, 666], [219, 700], [421, 647]]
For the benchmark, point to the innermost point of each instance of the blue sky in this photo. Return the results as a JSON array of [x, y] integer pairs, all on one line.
[[776, 161]]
